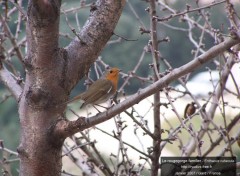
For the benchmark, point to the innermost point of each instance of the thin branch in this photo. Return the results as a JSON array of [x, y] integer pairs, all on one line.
[[23, 12], [71, 10], [190, 10], [11, 83], [210, 114], [136, 15], [129, 145], [9, 151], [210, 31], [82, 160], [5, 98], [220, 138], [156, 152], [124, 38], [76, 147], [96, 157], [141, 126], [12, 39], [226, 146], [129, 76]]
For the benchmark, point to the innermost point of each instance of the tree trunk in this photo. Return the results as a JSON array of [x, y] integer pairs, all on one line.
[[39, 151], [38, 154], [51, 73]]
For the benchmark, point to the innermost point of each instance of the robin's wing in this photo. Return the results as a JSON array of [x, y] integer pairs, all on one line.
[[78, 97], [97, 92]]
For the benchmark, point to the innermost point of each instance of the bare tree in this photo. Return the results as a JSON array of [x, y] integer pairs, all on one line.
[[51, 72]]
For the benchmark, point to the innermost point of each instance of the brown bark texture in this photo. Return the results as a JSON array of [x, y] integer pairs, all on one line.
[[51, 73]]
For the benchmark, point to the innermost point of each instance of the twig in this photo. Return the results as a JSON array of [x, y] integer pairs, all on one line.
[[76, 147], [12, 39], [134, 148], [190, 10], [10, 83], [124, 38], [212, 109], [23, 12], [220, 138]]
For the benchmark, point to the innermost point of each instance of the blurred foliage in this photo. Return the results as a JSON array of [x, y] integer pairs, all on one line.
[[124, 54], [8, 113]]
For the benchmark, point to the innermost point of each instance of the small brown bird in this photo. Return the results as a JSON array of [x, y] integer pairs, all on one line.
[[190, 109], [238, 141], [101, 90]]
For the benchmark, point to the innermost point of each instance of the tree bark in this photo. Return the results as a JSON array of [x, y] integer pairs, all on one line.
[[51, 73]]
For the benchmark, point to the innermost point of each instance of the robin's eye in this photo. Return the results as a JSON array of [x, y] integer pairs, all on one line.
[[111, 71]]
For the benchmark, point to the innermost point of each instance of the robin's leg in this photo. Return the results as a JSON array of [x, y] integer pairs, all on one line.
[[102, 106], [97, 108]]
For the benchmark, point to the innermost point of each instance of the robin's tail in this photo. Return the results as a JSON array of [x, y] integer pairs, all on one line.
[[72, 100]]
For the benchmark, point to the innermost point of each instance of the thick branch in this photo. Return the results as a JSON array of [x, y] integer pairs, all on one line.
[[156, 109], [85, 48], [67, 128], [42, 33]]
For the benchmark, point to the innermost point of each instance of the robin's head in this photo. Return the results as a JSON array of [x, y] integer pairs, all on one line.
[[112, 72], [112, 75]]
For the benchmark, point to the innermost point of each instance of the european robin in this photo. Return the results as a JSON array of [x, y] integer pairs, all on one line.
[[101, 90], [189, 110]]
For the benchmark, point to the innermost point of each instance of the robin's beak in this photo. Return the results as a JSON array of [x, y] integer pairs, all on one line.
[[119, 70]]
